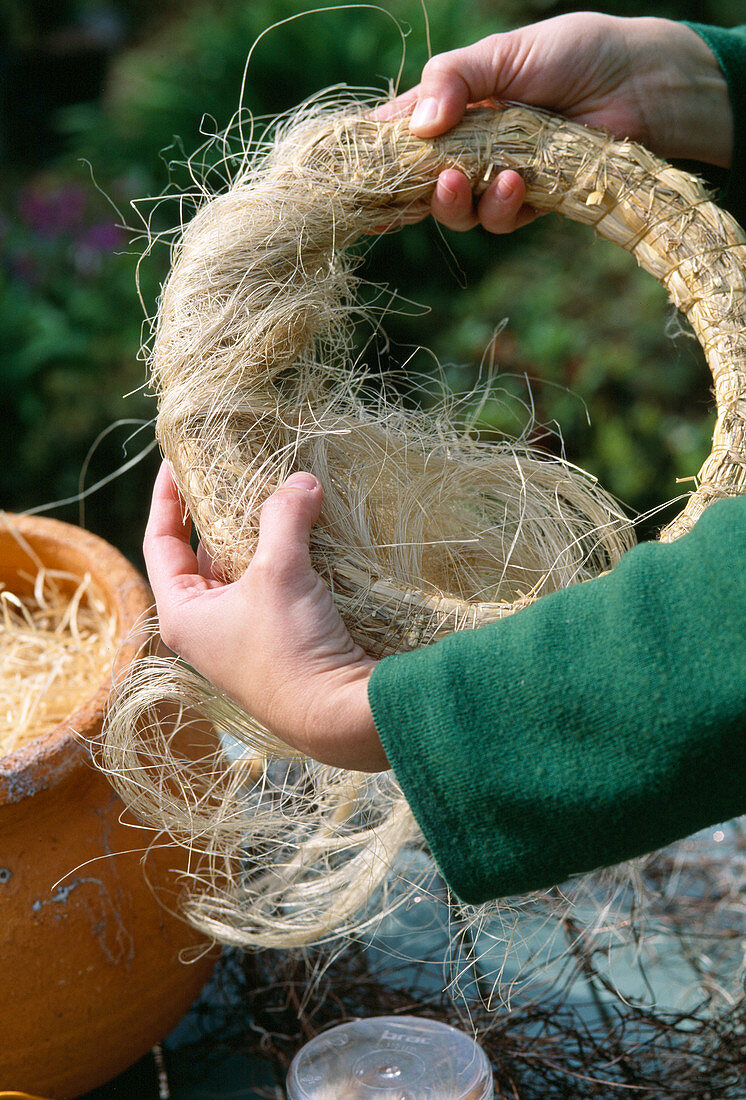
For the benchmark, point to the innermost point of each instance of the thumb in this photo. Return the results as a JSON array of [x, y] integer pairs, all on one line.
[[450, 81], [285, 526]]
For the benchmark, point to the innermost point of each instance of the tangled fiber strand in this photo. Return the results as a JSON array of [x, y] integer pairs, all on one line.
[[540, 1051], [423, 530], [570, 1032]]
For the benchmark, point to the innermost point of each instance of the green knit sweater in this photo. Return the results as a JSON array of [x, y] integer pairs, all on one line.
[[600, 723]]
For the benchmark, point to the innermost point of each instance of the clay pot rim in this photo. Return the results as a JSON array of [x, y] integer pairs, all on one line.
[[45, 761]]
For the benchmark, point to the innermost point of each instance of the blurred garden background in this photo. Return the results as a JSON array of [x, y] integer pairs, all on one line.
[[102, 103]]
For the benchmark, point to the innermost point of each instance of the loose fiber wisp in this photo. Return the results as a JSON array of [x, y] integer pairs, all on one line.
[[424, 530]]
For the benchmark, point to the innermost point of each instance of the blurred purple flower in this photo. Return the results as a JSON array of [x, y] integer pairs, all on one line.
[[93, 244], [50, 212], [102, 237]]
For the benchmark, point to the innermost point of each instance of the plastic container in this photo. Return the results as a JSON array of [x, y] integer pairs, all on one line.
[[391, 1057]]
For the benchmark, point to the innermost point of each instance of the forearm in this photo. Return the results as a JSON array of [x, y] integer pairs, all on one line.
[[729, 46], [683, 93]]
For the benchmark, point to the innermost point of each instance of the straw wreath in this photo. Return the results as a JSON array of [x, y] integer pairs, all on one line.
[[423, 530]]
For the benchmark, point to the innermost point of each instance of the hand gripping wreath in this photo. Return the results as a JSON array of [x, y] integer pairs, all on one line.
[[423, 530], [249, 359]]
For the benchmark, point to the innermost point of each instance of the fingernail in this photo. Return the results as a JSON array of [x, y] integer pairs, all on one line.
[[446, 194], [504, 188], [424, 113], [301, 481]]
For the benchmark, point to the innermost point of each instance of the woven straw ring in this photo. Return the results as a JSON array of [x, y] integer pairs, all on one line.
[[663, 216]]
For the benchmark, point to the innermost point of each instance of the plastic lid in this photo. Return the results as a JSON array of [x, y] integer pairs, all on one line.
[[391, 1057]]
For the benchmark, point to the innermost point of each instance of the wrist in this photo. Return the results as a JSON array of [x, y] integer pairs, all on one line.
[[338, 728], [685, 100], [364, 749]]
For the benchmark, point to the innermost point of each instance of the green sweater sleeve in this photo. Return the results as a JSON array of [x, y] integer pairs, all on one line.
[[729, 46], [600, 723]]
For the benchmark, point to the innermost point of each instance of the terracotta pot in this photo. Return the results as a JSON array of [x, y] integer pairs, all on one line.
[[89, 954]]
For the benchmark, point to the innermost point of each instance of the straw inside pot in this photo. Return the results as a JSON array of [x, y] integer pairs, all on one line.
[[57, 641]]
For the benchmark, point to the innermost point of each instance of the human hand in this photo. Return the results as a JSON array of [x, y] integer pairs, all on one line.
[[648, 79], [273, 640]]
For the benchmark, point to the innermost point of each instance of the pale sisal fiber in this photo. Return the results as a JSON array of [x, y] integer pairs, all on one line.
[[423, 530], [57, 642]]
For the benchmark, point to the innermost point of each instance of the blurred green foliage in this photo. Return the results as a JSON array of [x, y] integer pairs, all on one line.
[[582, 340], [183, 85], [583, 324], [71, 329]]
